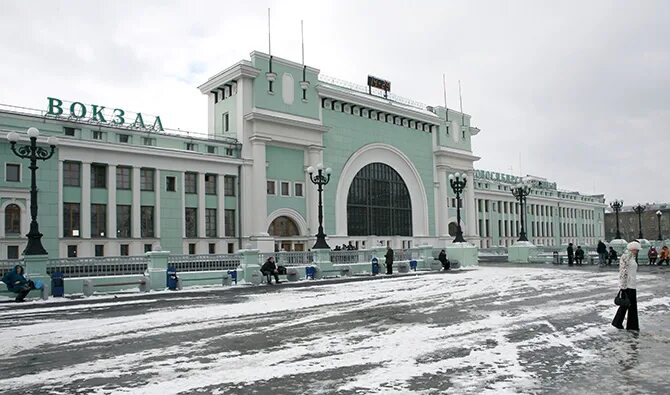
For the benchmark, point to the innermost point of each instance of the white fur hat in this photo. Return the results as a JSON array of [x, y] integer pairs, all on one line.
[[633, 245]]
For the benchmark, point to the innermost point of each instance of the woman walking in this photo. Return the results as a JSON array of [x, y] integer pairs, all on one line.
[[627, 286]]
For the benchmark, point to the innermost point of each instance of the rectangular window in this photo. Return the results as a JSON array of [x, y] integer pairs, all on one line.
[[191, 248], [271, 187], [124, 138], [71, 220], [123, 222], [72, 251], [226, 122], [210, 222], [229, 185], [12, 252], [98, 220], [191, 222], [285, 188], [190, 147], [298, 189], [147, 179], [98, 176], [147, 247], [147, 221], [212, 248], [99, 250], [211, 149], [210, 184], [191, 182], [231, 248], [124, 250], [71, 172], [230, 222], [123, 174], [229, 152], [12, 172], [148, 141], [170, 184], [68, 131], [97, 135]]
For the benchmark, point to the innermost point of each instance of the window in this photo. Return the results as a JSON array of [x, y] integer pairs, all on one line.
[[68, 131], [12, 219], [148, 141], [147, 179], [190, 146], [210, 222], [191, 182], [124, 138], [229, 185], [210, 184], [71, 172], [123, 222], [147, 247], [72, 251], [226, 122], [99, 250], [212, 248], [170, 184], [147, 221], [298, 189], [71, 220], [231, 248], [285, 188], [271, 187], [98, 176], [191, 222], [230, 222], [12, 172], [191, 248], [97, 135], [211, 149], [12, 252], [98, 220], [123, 177], [229, 152], [124, 250]]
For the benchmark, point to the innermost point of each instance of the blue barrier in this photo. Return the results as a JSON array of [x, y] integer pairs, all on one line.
[[233, 275], [310, 272], [375, 266], [172, 279], [412, 265], [57, 284]]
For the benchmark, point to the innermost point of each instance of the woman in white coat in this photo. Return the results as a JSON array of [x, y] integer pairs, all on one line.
[[628, 285]]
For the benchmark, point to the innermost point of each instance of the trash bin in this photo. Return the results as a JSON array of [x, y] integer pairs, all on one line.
[[375, 266], [412, 265], [310, 272], [172, 279], [233, 275], [557, 260], [57, 284]]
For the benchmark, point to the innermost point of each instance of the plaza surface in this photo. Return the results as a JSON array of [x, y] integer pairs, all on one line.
[[490, 329]]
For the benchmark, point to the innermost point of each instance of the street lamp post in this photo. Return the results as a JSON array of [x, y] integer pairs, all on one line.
[[639, 209], [658, 215], [521, 192], [320, 179], [34, 153], [616, 206], [457, 185]]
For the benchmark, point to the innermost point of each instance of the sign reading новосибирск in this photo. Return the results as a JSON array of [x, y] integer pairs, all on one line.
[[115, 117]]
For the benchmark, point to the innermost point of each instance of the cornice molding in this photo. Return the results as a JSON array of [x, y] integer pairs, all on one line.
[[276, 117], [236, 71], [282, 61], [446, 152]]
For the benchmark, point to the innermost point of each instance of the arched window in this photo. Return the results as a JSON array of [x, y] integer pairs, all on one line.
[[378, 203], [12, 219], [283, 227]]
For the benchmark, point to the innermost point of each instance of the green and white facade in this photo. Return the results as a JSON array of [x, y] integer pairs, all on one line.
[[119, 189]]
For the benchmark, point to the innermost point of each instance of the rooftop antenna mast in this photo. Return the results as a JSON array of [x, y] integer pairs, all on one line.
[[302, 43], [444, 89], [269, 40], [270, 75], [460, 98]]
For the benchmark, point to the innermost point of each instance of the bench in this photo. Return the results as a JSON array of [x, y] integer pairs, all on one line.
[[226, 279], [143, 283], [43, 293]]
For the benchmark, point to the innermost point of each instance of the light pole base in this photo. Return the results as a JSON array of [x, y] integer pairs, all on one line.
[[521, 252], [465, 253], [619, 245]]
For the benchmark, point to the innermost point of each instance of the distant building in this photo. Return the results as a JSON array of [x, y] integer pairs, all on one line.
[[629, 224]]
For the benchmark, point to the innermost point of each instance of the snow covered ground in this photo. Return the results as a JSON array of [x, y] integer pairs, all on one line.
[[487, 330]]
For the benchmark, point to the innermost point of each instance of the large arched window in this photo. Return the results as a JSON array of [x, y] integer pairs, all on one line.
[[12, 219], [378, 203], [283, 227]]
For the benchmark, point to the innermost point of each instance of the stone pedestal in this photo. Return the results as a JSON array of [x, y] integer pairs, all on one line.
[[322, 259], [262, 243], [35, 267], [249, 266], [520, 252], [464, 253], [619, 245], [426, 256], [157, 269]]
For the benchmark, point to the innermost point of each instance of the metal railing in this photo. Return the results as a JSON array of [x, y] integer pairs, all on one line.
[[364, 89], [8, 265], [288, 258], [408, 254], [204, 262], [98, 266], [349, 256]]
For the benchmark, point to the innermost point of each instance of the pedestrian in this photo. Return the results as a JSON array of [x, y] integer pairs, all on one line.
[[627, 287], [446, 265], [602, 252], [389, 260], [571, 254], [665, 256], [612, 256], [17, 283], [652, 255], [579, 256], [269, 269]]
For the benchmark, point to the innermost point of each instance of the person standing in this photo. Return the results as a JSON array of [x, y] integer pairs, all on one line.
[[446, 265], [571, 254], [579, 255], [389, 260], [652, 255], [628, 286], [602, 252]]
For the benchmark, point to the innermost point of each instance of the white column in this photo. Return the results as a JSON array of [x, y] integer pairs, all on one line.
[[136, 228], [221, 206], [469, 200], [183, 204], [60, 199], [201, 204], [157, 204], [259, 178], [111, 201], [312, 203], [211, 113], [85, 200], [442, 210]]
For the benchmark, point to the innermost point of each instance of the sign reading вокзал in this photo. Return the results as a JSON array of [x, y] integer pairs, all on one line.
[[116, 117]]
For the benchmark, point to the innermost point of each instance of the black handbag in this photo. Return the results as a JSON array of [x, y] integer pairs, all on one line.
[[621, 299]]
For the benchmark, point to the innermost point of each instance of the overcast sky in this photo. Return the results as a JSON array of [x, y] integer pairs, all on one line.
[[577, 92]]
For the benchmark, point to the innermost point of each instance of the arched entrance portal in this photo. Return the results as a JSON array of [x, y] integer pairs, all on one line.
[[285, 231], [378, 203]]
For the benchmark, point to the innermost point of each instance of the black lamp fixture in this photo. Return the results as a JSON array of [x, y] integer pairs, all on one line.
[[639, 209], [521, 192], [321, 178], [616, 206], [458, 182], [659, 214]]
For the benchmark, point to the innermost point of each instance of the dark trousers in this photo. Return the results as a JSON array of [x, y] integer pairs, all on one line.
[[632, 322], [389, 268], [22, 293], [269, 275], [652, 261], [667, 262], [579, 260], [570, 259]]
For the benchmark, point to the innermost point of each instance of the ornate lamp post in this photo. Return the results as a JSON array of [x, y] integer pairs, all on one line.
[[616, 206], [34, 153], [639, 209], [658, 215], [457, 185], [521, 192], [320, 179]]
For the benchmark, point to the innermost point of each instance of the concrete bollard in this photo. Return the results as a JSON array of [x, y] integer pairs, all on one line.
[[403, 267], [292, 274]]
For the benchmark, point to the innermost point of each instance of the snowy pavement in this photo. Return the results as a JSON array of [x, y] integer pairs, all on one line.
[[487, 330]]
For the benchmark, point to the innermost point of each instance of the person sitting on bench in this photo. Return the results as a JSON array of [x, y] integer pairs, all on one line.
[[17, 283], [269, 269], [446, 265]]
